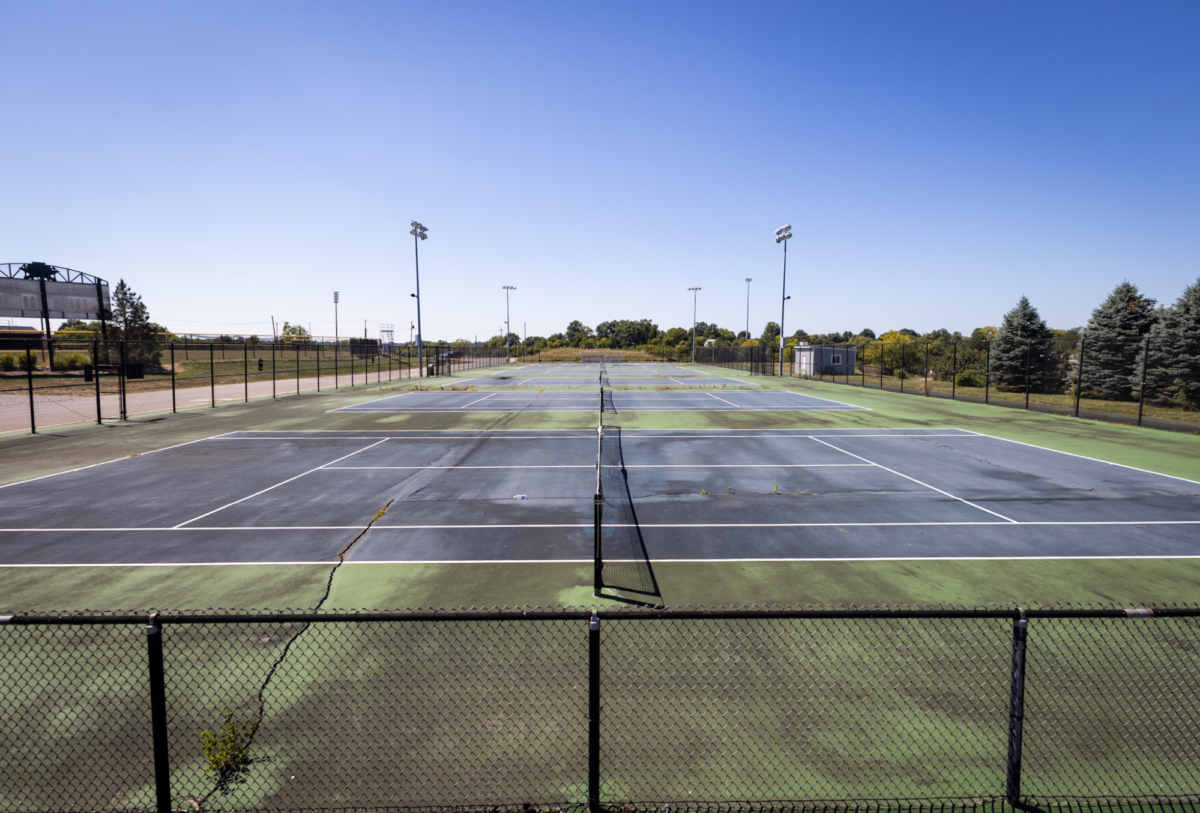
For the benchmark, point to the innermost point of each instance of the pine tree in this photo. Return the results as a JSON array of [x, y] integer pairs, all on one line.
[[1013, 354], [131, 322], [1112, 359], [1173, 369]]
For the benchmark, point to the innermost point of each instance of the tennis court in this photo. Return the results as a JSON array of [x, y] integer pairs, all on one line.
[[607, 380], [526, 496], [615, 401]]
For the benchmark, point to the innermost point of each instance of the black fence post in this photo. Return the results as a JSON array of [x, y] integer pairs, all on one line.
[[1016, 710], [173, 377], [123, 380], [1079, 374], [273, 395], [246, 372], [903, 372], [297, 367], [987, 372], [925, 372], [158, 716], [594, 713], [953, 370], [28, 360], [1028, 360], [96, 374], [212, 377], [317, 346], [1142, 380]]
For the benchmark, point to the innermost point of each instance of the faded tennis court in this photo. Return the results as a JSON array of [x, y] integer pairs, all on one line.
[[526, 496], [616, 401]]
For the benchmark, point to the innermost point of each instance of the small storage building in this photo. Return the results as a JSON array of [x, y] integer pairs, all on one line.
[[817, 360]]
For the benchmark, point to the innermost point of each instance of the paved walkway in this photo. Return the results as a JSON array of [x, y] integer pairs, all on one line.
[[57, 410]]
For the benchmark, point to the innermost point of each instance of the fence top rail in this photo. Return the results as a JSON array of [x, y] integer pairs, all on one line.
[[640, 614]]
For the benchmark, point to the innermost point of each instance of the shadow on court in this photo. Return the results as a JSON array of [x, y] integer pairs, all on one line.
[[626, 563]]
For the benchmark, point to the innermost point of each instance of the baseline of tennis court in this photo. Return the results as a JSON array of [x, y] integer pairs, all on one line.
[[526, 496], [608, 380], [616, 401]]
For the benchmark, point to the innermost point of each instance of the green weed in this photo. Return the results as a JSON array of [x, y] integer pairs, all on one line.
[[225, 751]]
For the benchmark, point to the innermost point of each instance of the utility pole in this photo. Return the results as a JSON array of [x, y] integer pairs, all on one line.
[[693, 290], [419, 233], [782, 235], [748, 281], [507, 329]]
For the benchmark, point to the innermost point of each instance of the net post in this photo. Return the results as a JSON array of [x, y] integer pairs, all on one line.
[[1016, 712], [593, 790], [158, 715]]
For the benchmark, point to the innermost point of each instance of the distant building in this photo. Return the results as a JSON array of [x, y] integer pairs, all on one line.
[[14, 337], [818, 360]]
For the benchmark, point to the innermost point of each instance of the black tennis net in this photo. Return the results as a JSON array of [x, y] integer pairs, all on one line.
[[598, 503]]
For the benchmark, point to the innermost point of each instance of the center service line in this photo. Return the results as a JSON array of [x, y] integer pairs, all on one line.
[[476, 401], [277, 485], [918, 482]]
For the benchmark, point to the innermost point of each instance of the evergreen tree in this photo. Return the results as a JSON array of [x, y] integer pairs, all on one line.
[[1173, 369], [130, 320], [1112, 355], [1013, 355]]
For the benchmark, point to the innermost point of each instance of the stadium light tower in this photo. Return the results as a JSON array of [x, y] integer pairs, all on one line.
[[782, 235], [507, 329], [418, 232], [335, 321], [693, 290], [748, 281]]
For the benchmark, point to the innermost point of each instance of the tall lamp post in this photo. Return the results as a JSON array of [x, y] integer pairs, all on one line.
[[418, 232], [335, 321], [782, 235], [507, 329], [693, 290], [748, 281]]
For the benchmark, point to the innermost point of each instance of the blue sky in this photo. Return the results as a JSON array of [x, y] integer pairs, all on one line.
[[936, 160]]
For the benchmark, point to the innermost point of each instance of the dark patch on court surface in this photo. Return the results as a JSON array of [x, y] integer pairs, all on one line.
[[615, 401], [527, 496]]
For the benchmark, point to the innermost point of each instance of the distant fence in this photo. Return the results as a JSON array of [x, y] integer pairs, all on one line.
[[625, 709], [1148, 381], [92, 380]]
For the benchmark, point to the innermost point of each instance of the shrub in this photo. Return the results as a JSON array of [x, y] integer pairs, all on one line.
[[899, 373], [969, 380], [27, 361], [70, 361], [8, 362]]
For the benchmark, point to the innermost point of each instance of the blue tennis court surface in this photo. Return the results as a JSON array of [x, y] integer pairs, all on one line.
[[617, 401]]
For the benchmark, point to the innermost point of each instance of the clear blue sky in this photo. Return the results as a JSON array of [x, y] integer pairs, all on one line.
[[936, 160]]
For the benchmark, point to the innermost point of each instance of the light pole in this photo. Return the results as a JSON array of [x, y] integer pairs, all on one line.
[[418, 232], [693, 290], [782, 235], [507, 329], [748, 281], [335, 324]]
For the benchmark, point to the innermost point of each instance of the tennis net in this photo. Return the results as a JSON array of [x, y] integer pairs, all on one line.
[[598, 503]]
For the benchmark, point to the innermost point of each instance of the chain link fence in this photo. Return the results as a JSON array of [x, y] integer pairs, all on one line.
[[1143, 380], [626, 709], [44, 384]]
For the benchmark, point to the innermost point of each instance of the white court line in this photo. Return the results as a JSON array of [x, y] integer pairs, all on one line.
[[477, 400], [830, 400], [117, 460], [327, 562], [277, 485], [633, 466], [590, 433], [731, 403], [587, 524], [918, 482], [526, 381], [1081, 457]]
